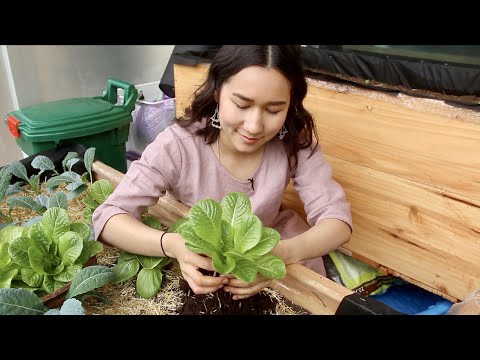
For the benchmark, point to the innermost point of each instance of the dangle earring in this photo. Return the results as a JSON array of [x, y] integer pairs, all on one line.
[[215, 122], [282, 132]]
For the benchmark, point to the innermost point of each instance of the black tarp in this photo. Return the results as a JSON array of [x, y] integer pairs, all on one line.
[[446, 81]]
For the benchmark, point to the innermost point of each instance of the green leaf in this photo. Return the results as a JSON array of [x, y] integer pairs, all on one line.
[[89, 278], [248, 234], [88, 159], [55, 222], [270, 238], [272, 267], [125, 270], [177, 225], [70, 155], [206, 219], [31, 277], [149, 282], [152, 222], [70, 163], [67, 177], [18, 250], [5, 258], [149, 262], [68, 273], [70, 247], [50, 285], [19, 170], [25, 202], [90, 203], [245, 270], [20, 302], [43, 200], [38, 260], [235, 205], [81, 229], [40, 239], [10, 232], [100, 190], [35, 182], [227, 240], [72, 307], [87, 215], [59, 199], [14, 189], [42, 163], [74, 185], [223, 264], [90, 249], [126, 256], [78, 191], [6, 277], [195, 243]]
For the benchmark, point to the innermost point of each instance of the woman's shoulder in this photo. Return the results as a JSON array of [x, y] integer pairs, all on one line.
[[178, 133]]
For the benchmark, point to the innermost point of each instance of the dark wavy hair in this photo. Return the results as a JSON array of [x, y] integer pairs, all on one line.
[[228, 61]]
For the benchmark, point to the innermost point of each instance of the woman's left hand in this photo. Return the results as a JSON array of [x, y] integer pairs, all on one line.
[[242, 290]]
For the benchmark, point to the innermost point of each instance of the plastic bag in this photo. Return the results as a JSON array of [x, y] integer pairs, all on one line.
[[359, 276], [153, 117]]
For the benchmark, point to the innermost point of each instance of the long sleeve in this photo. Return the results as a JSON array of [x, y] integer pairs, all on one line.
[[322, 196], [146, 180]]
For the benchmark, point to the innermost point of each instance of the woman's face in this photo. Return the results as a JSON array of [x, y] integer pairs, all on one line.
[[253, 106]]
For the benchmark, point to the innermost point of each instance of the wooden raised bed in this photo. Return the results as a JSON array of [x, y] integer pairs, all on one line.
[[410, 170]]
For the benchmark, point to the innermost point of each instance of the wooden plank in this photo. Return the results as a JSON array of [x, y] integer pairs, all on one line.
[[420, 232], [187, 79], [432, 149]]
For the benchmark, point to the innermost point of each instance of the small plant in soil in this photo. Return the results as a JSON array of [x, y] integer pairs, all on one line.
[[238, 243], [25, 302], [147, 269]]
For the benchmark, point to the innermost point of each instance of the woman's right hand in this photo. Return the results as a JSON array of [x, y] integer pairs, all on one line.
[[190, 263]]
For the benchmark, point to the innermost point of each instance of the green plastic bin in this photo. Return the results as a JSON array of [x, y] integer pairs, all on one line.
[[93, 122]]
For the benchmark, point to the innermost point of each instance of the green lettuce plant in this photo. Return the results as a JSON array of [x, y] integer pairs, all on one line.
[[148, 269], [233, 237], [25, 302], [46, 255]]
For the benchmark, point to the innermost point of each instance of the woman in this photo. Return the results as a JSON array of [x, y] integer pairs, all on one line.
[[245, 131]]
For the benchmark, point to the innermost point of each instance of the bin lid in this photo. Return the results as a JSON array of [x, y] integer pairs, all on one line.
[[68, 118]]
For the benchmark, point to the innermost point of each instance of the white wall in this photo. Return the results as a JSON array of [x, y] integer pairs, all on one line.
[[44, 73], [8, 148]]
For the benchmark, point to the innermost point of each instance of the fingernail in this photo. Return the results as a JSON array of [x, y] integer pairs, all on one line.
[[225, 281]]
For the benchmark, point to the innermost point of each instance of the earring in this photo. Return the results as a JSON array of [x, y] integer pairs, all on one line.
[[215, 122], [282, 132]]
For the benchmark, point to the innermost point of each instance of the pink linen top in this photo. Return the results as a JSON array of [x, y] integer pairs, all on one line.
[[180, 162]]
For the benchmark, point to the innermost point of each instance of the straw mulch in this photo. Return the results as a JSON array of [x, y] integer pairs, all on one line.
[[125, 300]]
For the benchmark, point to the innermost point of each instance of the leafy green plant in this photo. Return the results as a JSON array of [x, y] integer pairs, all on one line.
[[148, 269], [46, 255], [25, 302], [233, 237], [76, 184], [96, 195]]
